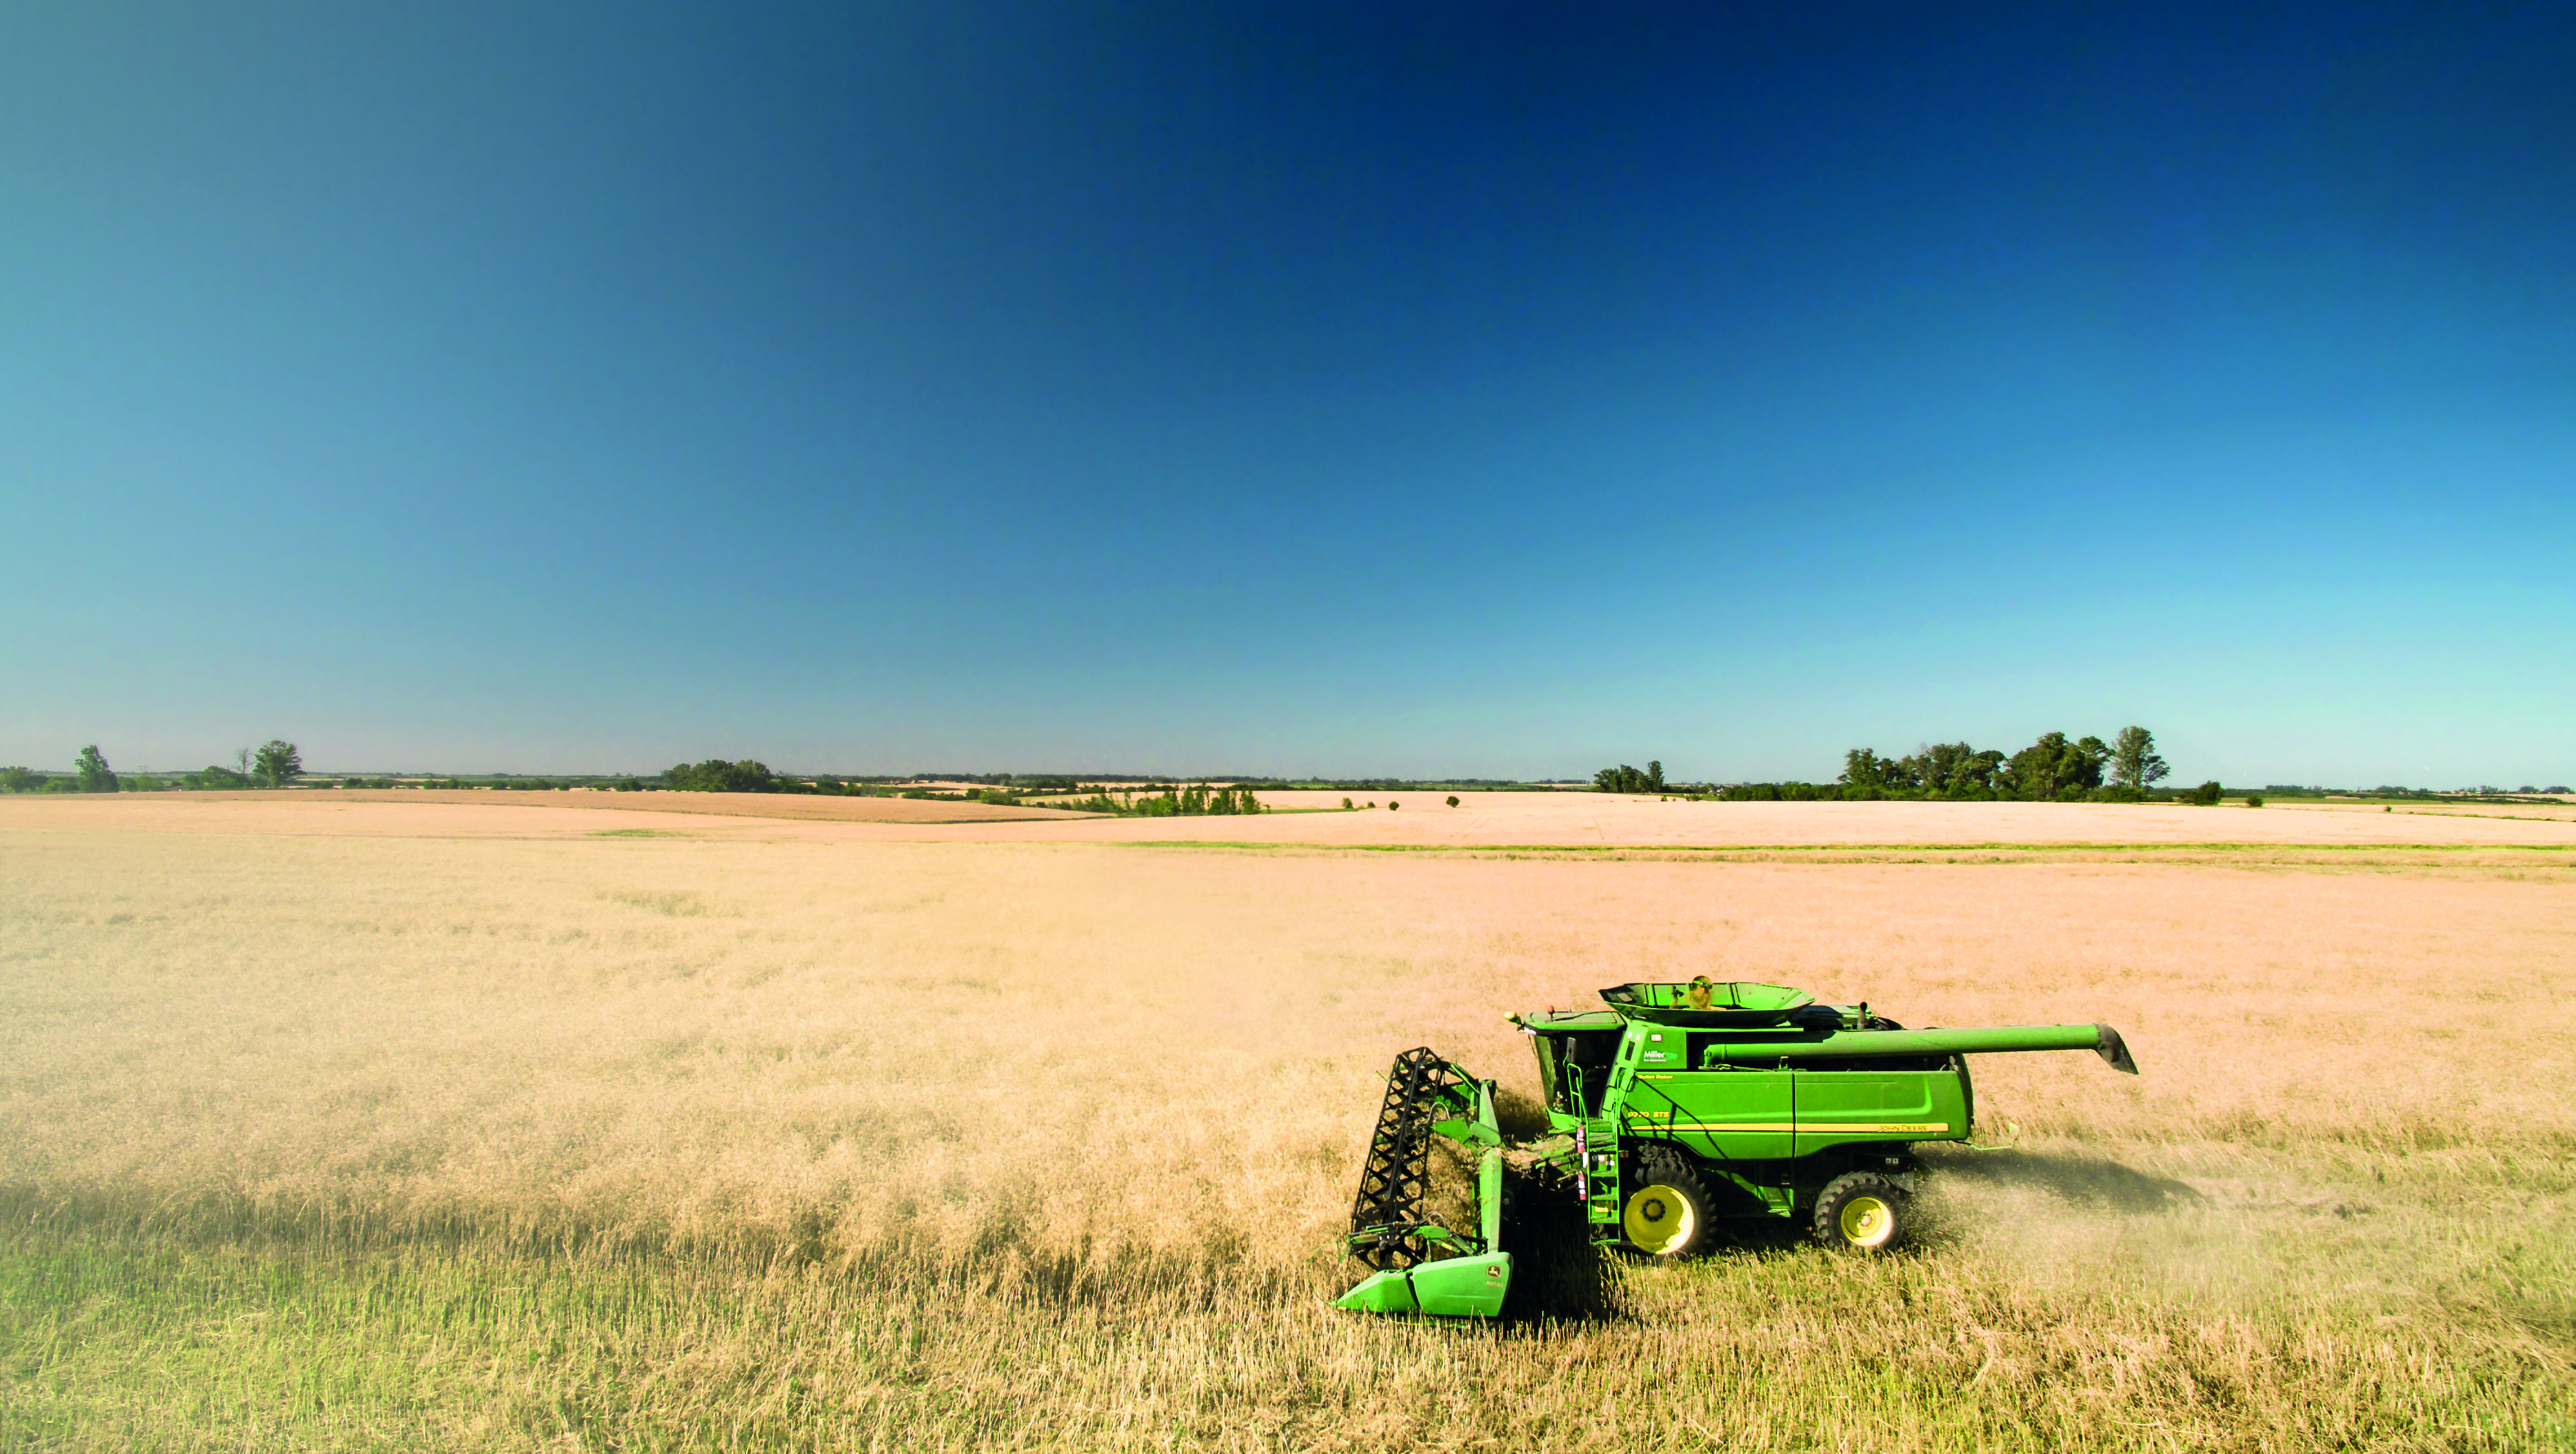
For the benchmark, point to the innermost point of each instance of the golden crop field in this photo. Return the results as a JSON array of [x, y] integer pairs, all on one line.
[[440, 1125]]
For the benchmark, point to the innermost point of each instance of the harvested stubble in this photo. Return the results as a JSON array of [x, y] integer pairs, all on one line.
[[670, 1143]]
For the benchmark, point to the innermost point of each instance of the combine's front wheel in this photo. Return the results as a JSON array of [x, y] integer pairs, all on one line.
[[1666, 1215], [1862, 1211]]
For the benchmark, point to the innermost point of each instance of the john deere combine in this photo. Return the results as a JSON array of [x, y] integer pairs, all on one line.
[[1673, 1107]]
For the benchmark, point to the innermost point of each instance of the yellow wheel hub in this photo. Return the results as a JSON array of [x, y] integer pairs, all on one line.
[[1659, 1219], [1867, 1222]]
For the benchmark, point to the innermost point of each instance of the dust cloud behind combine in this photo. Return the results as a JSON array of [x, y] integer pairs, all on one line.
[[1025, 1139]]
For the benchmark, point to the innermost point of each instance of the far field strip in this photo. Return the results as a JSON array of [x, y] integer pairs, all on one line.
[[1567, 824], [2043, 847], [2545, 857], [1706, 850], [807, 806]]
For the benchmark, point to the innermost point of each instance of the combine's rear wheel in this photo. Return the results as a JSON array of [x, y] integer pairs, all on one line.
[[1666, 1214], [1862, 1211]]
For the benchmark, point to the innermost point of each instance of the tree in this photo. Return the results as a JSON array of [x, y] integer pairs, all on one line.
[[2134, 763], [94, 774], [1453, 800], [1654, 777], [18, 780], [2090, 756], [1626, 779], [1864, 768], [2207, 794], [715, 775], [217, 777], [2053, 768], [1949, 770], [277, 764], [2032, 772]]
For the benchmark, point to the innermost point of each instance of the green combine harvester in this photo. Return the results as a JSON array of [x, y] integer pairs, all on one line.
[[1669, 1110]]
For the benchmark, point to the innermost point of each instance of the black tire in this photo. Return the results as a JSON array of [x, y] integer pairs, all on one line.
[[1665, 1214], [1862, 1211]]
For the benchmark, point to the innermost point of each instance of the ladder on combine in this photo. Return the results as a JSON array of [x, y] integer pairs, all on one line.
[[1596, 1144]]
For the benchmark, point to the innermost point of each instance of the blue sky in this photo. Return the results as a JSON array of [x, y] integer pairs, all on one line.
[[1476, 388]]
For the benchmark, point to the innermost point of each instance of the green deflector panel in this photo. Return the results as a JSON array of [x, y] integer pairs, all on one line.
[[1723, 1115], [1835, 1106]]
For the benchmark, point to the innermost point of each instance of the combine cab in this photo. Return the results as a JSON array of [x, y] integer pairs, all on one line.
[[1667, 1114]]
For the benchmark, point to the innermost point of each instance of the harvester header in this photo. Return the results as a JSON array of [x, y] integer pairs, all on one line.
[[1674, 1106]]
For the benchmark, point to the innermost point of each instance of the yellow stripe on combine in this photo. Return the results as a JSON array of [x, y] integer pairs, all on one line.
[[1677, 1123]]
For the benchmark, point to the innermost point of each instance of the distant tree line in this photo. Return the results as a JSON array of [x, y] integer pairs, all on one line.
[[1194, 801], [1025, 781], [1035, 790], [2052, 769], [1626, 779], [274, 765], [717, 775]]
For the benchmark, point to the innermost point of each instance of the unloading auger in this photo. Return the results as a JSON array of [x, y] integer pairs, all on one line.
[[1665, 1115]]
